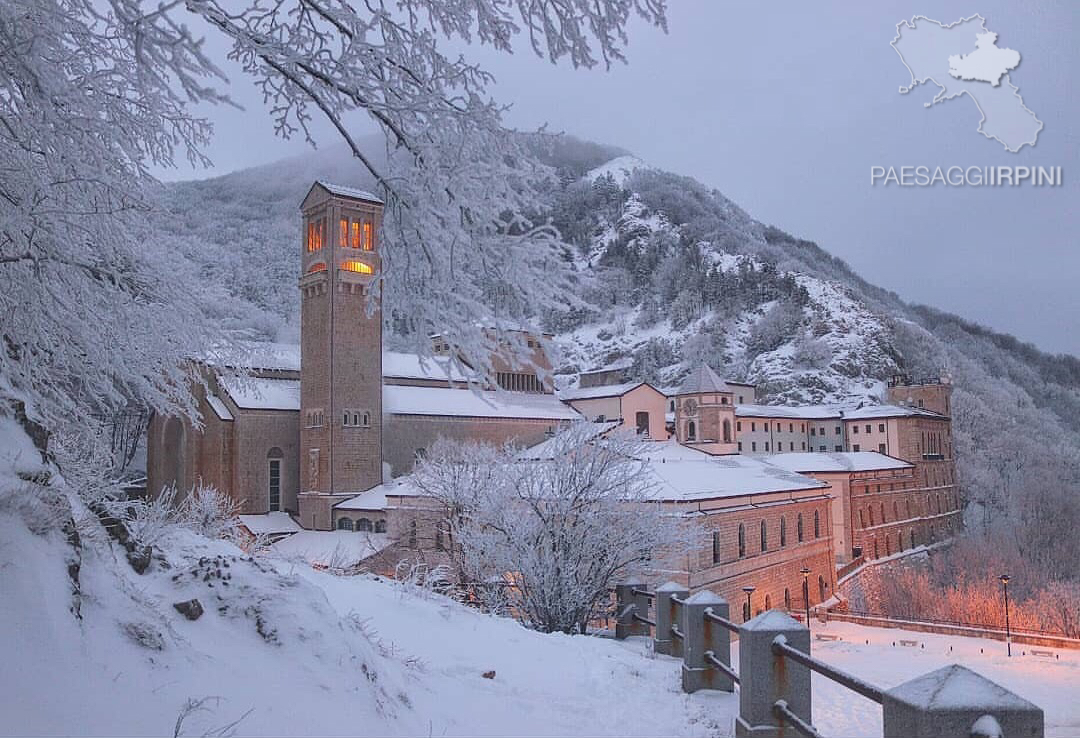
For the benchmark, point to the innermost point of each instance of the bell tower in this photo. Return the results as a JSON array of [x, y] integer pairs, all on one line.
[[705, 413], [340, 349]]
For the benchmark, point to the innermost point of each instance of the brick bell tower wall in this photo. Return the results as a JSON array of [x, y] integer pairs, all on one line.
[[341, 353]]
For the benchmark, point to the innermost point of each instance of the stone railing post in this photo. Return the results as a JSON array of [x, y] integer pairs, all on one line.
[[957, 701], [765, 677], [627, 604], [663, 642], [703, 635]]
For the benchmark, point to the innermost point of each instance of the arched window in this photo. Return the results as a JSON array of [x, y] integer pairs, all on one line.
[[274, 459], [764, 537], [691, 431], [912, 535], [363, 525], [768, 603], [862, 518], [822, 587], [787, 598], [928, 504], [907, 505], [817, 525], [799, 528], [716, 554], [412, 534], [888, 545], [899, 540], [870, 510], [875, 549], [727, 431], [344, 524], [883, 512], [895, 510], [742, 540], [783, 533], [380, 526]]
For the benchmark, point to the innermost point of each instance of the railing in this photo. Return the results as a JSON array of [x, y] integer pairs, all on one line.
[[961, 624], [775, 666]]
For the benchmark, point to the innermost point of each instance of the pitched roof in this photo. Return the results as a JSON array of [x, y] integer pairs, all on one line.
[[702, 379], [604, 390], [350, 192], [446, 401], [889, 411], [798, 412], [848, 461]]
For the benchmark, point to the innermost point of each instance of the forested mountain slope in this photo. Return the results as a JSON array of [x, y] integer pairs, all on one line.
[[671, 273]]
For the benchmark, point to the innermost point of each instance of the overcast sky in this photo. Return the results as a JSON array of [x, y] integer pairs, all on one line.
[[785, 111]]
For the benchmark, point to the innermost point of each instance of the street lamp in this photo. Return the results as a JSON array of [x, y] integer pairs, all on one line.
[[749, 591], [806, 592], [1008, 634]]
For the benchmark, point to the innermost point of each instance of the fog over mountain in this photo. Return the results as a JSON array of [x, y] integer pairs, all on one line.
[[670, 274]]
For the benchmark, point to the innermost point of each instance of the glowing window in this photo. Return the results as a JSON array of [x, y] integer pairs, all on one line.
[[319, 266], [369, 239], [355, 243], [314, 236], [344, 235], [357, 266]]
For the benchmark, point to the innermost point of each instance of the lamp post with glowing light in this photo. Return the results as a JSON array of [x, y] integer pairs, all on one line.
[[806, 592], [1005, 591], [749, 591]]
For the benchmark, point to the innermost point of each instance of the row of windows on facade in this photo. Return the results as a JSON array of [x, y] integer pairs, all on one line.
[[349, 418], [442, 536], [932, 536], [354, 233], [717, 546], [519, 382], [362, 525], [823, 589], [869, 428], [940, 506]]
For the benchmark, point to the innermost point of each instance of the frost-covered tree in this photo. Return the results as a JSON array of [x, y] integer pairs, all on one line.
[[96, 92], [560, 522]]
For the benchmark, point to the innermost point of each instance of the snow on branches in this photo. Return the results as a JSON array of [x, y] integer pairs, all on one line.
[[559, 530]]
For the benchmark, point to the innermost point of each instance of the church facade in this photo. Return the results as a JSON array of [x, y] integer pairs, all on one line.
[[302, 429]]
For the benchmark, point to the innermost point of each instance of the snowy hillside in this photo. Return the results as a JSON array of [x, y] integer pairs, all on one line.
[[670, 273], [93, 648]]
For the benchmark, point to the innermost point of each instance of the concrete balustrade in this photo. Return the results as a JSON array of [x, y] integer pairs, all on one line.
[[775, 667], [702, 636], [663, 642]]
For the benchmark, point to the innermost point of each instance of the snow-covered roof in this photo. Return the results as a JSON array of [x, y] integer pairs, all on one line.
[[546, 449], [258, 393], [869, 412], [332, 547], [375, 498], [846, 461], [218, 406], [684, 474], [604, 390], [801, 412], [402, 400], [286, 357], [273, 523], [613, 366], [702, 379], [412, 366], [353, 192]]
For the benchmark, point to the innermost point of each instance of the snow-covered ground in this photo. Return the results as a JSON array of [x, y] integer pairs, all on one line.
[[286, 649], [1051, 683]]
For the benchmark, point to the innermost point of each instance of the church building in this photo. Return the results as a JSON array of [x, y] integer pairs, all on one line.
[[303, 429]]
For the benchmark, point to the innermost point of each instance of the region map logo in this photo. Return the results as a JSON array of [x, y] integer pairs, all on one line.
[[964, 58]]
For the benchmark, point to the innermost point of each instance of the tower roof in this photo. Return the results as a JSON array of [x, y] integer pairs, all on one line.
[[702, 379], [351, 193]]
